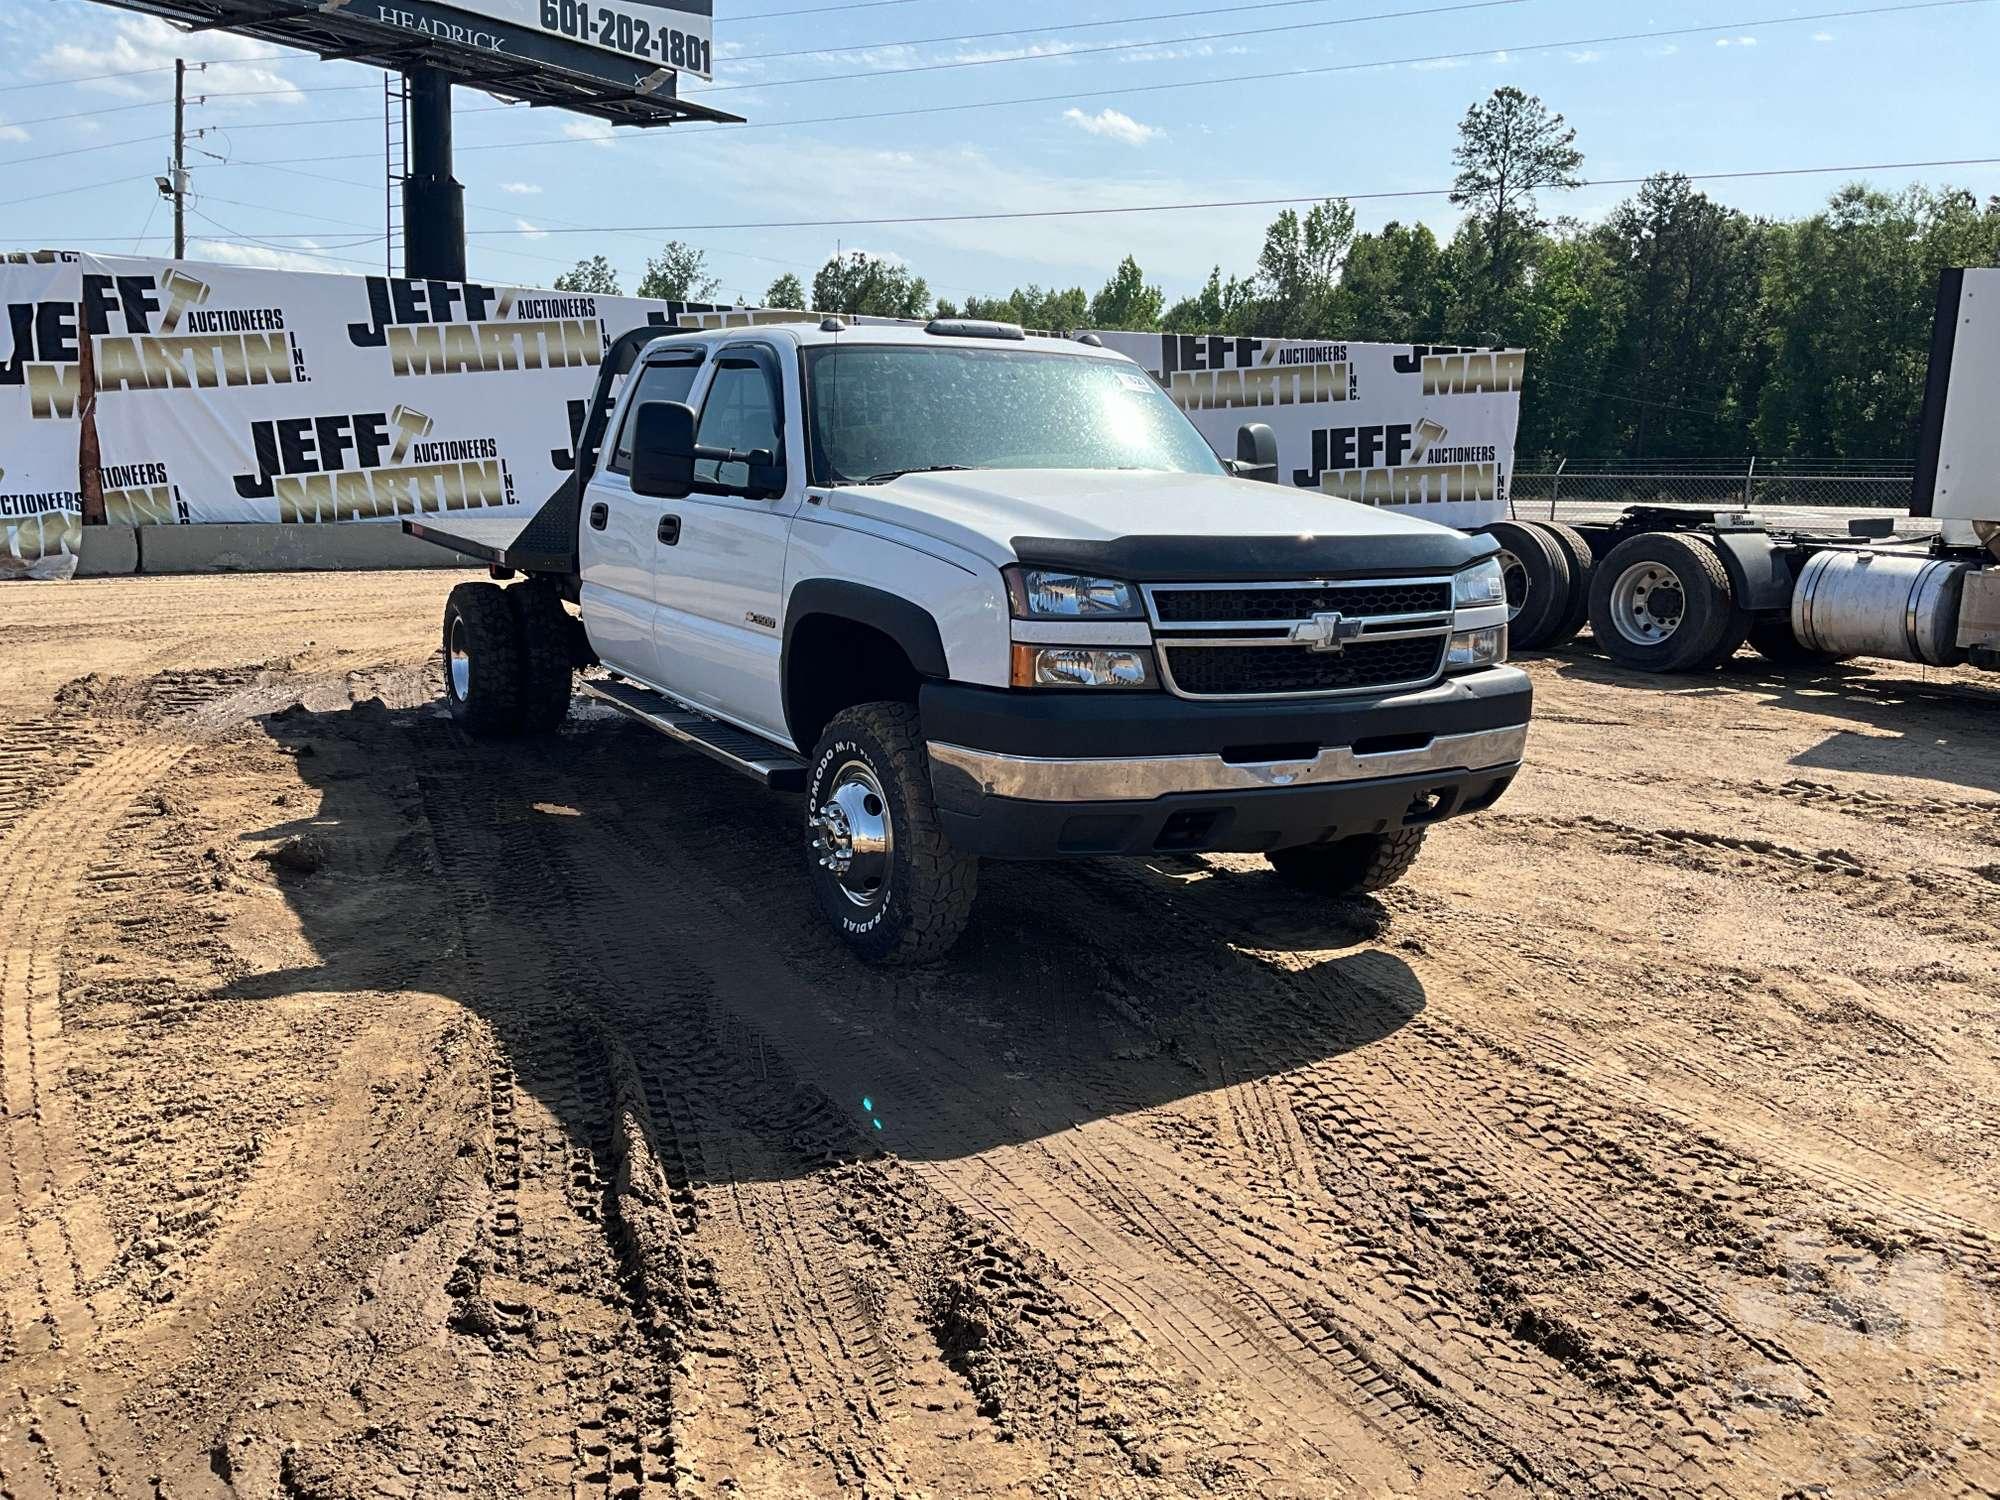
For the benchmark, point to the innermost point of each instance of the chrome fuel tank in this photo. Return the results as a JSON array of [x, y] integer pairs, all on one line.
[[1880, 603]]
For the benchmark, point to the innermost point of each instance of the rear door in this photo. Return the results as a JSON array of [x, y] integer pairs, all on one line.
[[720, 576], [616, 544]]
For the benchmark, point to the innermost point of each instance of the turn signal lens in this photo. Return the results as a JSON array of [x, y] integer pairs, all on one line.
[[1470, 649], [1081, 667]]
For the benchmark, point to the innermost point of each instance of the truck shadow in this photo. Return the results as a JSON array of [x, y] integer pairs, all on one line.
[[605, 896], [1921, 725]]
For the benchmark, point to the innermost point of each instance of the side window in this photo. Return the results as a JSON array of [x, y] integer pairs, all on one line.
[[663, 380], [741, 413]]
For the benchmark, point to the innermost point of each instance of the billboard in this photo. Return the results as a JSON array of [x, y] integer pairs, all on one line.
[[1423, 428], [617, 59]]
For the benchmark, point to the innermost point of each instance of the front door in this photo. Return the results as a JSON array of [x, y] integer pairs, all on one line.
[[719, 576], [616, 551]]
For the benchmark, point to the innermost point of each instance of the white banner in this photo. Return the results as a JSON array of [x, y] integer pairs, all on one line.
[[153, 392], [41, 497], [1423, 429], [225, 393]]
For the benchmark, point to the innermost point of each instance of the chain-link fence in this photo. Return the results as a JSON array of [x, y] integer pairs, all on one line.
[[1600, 490]]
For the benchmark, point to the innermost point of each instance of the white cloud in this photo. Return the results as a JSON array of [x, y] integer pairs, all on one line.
[[259, 255], [1585, 57], [522, 188], [1822, 36], [531, 231], [1113, 125], [1440, 64], [147, 42], [13, 133], [597, 132], [1736, 41]]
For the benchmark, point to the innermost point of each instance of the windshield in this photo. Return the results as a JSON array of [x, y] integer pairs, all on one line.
[[878, 410]]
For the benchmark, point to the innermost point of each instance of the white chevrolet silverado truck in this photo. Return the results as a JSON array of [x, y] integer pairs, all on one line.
[[982, 595]]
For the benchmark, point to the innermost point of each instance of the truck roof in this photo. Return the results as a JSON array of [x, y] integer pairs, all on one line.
[[812, 331]]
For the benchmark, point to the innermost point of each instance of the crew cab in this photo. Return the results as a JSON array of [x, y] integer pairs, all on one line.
[[979, 595]]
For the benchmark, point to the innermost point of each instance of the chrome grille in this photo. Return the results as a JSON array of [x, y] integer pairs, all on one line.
[[1300, 637]]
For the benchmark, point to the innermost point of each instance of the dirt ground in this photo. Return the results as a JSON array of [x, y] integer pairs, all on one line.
[[386, 1114]]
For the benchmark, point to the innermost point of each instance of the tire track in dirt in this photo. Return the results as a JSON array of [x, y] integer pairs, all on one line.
[[54, 1241]]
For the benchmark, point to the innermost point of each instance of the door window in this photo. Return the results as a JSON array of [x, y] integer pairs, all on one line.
[[741, 413], [668, 379]]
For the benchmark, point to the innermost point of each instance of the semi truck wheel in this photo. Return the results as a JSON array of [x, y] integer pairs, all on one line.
[[544, 629], [1538, 582], [1773, 639], [1350, 867], [1582, 566], [881, 868], [482, 660], [1661, 602]]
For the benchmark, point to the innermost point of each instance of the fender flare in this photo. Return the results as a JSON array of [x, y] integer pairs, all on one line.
[[909, 625], [1760, 571]]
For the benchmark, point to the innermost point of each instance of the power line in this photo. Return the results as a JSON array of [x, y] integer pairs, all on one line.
[[1207, 12], [83, 187], [1166, 41], [49, 83], [821, 10], [1189, 207], [1210, 82]]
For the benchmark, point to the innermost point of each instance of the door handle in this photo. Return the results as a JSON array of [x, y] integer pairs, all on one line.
[[600, 516], [670, 531]]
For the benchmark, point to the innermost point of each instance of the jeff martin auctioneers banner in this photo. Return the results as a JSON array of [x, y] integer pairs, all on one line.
[[156, 392]]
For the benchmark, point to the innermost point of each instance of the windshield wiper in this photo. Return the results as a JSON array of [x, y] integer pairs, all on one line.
[[888, 474]]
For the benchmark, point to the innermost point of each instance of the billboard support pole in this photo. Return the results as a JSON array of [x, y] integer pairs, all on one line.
[[433, 201], [180, 158]]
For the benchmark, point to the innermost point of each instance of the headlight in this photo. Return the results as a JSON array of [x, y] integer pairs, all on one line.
[[1479, 585], [1470, 649], [1082, 666], [1049, 594]]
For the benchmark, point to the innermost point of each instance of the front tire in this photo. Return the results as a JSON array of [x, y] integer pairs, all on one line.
[[1661, 602], [881, 868], [482, 660], [1350, 867]]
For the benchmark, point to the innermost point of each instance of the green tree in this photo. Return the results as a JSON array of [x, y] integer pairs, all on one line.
[[594, 275], [1050, 310], [1394, 287], [1690, 271], [1850, 294], [1127, 301], [870, 285], [679, 273], [1510, 148], [1298, 271], [786, 292], [1219, 307]]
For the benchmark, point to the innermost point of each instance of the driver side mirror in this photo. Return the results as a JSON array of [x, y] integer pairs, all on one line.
[[1256, 453], [663, 450]]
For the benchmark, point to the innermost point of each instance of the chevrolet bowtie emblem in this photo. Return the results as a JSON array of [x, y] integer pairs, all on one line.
[[1327, 632]]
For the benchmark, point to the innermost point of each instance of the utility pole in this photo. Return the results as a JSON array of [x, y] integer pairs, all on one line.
[[180, 159]]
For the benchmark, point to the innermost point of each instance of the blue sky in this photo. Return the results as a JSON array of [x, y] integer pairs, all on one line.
[[1733, 97]]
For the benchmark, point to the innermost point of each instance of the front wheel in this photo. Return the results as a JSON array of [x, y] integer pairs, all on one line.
[[881, 868], [1350, 867]]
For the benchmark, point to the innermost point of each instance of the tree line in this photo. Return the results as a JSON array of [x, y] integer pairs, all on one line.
[[1674, 328]]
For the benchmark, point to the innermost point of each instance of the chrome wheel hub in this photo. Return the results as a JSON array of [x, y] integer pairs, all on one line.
[[1516, 576], [458, 662], [852, 838], [1647, 603]]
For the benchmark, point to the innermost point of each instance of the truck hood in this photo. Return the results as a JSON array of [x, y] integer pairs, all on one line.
[[1149, 525]]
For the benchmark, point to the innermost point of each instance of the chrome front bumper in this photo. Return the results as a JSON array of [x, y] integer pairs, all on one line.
[[1028, 778]]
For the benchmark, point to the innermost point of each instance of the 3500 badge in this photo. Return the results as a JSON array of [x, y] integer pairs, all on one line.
[[605, 27]]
